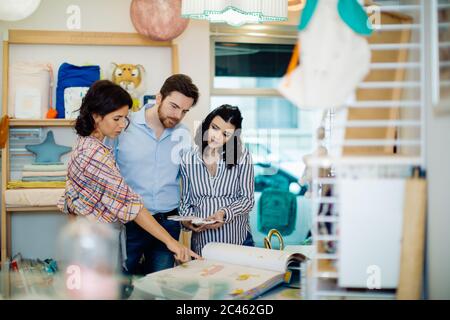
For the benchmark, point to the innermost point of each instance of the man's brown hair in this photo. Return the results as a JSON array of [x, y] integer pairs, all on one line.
[[182, 84]]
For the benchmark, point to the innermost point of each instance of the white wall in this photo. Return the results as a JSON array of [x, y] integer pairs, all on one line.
[[438, 235], [35, 235], [438, 224]]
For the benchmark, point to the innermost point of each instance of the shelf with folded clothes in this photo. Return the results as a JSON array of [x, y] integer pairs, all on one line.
[[37, 173], [32, 199], [25, 171], [40, 176], [36, 187], [44, 173], [22, 49]]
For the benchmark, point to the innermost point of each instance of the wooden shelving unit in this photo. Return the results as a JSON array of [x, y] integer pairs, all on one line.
[[40, 37]]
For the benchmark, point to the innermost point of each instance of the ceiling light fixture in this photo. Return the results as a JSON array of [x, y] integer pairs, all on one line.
[[235, 12]]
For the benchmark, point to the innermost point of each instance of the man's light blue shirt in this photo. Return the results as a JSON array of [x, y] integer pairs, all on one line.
[[149, 165]]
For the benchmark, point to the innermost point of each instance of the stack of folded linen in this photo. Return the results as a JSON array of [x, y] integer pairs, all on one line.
[[42, 185], [44, 173]]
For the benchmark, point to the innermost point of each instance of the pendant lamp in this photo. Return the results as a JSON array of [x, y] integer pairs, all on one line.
[[14, 10], [235, 12]]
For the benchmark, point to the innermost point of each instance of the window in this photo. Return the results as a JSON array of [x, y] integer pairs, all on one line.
[[250, 65], [247, 68]]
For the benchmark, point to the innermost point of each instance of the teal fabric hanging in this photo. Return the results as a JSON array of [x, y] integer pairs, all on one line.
[[307, 13], [355, 17], [350, 11]]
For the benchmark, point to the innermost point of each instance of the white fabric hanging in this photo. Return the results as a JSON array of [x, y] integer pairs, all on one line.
[[333, 61]]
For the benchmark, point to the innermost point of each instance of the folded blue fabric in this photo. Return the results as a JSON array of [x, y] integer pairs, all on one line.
[[70, 75]]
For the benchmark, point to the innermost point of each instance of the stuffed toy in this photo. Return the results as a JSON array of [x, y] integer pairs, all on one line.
[[131, 78]]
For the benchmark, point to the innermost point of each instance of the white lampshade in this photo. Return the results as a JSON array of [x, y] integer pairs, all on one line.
[[13, 10], [235, 12]]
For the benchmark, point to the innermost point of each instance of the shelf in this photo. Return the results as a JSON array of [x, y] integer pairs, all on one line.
[[364, 295], [327, 238], [327, 256], [33, 209], [326, 275], [13, 40], [43, 122], [82, 38]]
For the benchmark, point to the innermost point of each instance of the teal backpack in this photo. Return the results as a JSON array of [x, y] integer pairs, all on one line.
[[277, 210]]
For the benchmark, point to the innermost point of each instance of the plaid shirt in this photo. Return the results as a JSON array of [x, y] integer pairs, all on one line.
[[95, 187]]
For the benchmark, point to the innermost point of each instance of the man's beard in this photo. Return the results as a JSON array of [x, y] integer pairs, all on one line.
[[166, 121]]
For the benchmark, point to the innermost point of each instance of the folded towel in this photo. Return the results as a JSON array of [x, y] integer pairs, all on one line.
[[33, 197], [46, 179], [44, 173], [45, 167], [48, 163], [35, 184]]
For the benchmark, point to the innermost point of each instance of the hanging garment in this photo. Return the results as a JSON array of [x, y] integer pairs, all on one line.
[[333, 59], [350, 11]]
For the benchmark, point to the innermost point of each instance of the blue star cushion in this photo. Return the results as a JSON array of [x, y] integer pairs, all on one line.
[[48, 152]]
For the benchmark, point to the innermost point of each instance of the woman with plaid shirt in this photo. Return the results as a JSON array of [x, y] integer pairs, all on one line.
[[94, 186]]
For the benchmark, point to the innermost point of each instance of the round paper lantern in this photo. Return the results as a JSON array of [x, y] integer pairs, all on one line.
[[13, 10], [159, 20]]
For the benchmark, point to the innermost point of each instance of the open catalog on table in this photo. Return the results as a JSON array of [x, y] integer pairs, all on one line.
[[227, 272]]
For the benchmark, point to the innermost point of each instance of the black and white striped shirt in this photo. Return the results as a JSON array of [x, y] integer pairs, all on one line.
[[230, 189]]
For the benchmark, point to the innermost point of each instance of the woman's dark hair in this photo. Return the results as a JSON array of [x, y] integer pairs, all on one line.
[[232, 150], [180, 83], [103, 97]]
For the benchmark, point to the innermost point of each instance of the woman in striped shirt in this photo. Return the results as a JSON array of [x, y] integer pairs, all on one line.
[[218, 181], [94, 185]]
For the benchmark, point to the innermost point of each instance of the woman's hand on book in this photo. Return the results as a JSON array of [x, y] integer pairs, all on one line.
[[218, 217], [193, 227], [182, 253]]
